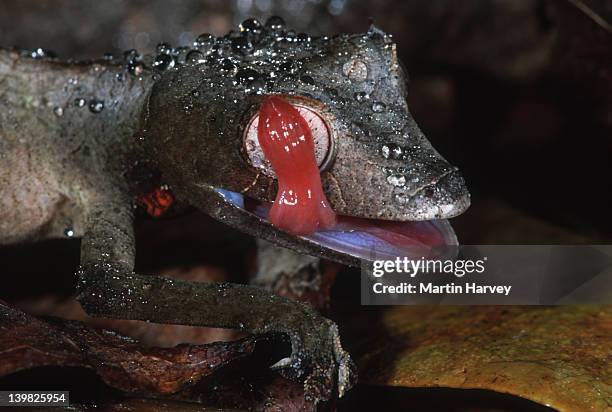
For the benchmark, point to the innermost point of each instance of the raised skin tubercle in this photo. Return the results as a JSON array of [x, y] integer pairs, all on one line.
[[301, 207]]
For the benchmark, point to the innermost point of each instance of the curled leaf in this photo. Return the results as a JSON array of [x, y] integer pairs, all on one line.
[[221, 374]]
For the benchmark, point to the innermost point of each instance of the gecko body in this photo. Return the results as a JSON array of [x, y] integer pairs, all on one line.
[[79, 142]]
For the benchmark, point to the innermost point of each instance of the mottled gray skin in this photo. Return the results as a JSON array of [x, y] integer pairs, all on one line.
[[67, 170], [382, 167]]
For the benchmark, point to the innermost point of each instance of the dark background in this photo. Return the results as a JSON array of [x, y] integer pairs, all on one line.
[[515, 93]]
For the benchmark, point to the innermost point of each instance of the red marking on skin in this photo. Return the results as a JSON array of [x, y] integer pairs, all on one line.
[[300, 207], [157, 202]]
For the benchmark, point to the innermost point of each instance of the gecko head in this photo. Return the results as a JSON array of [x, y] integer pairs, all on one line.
[[377, 167]]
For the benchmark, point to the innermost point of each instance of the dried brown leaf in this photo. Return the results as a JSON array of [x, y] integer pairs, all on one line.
[[556, 356], [221, 374]]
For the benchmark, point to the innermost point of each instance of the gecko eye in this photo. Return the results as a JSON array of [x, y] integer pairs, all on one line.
[[321, 134]]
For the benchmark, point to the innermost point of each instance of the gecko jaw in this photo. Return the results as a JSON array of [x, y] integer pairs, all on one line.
[[366, 239]]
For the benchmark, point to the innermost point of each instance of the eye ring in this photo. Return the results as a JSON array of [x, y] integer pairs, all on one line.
[[321, 134]]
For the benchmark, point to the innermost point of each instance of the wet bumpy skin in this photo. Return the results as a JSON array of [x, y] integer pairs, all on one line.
[[380, 166], [84, 127], [300, 206]]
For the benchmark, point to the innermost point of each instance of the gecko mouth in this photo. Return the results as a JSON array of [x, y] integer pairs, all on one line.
[[367, 239]]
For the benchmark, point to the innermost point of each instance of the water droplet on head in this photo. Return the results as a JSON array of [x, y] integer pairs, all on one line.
[[79, 102], [96, 106], [163, 48], [69, 232], [378, 107], [275, 23], [58, 111], [251, 26], [228, 66], [180, 55], [195, 57], [204, 40], [241, 44], [332, 92], [361, 96], [41, 53], [163, 62], [247, 75], [392, 151], [287, 66], [307, 79], [303, 37]]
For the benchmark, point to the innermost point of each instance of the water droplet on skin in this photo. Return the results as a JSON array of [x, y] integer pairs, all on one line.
[[332, 92], [96, 106], [378, 107], [361, 96], [287, 66], [228, 66], [289, 37], [69, 232], [251, 26], [195, 57], [392, 151], [163, 62], [241, 44], [79, 102], [307, 79], [246, 75], [41, 53], [163, 48], [204, 40], [303, 37], [275, 23], [58, 111], [257, 86], [397, 180]]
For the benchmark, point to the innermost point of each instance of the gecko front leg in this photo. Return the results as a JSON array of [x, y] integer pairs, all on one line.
[[109, 287]]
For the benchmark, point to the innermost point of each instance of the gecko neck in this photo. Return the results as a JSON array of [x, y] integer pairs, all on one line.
[[96, 103]]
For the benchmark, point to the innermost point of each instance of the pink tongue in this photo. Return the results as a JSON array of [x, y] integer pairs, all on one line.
[[301, 207]]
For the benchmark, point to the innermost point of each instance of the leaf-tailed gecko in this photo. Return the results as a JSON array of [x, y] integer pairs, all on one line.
[[79, 139]]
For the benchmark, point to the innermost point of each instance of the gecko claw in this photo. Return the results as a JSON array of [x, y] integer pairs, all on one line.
[[283, 363]]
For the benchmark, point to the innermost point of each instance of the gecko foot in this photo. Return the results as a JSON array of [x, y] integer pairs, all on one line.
[[317, 358]]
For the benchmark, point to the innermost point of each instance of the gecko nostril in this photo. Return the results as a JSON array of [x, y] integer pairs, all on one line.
[[320, 133]]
